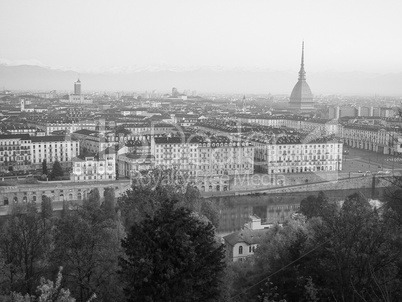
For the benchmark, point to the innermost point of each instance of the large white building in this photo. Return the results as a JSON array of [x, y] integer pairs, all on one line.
[[324, 126], [204, 157], [372, 138], [209, 163], [52, 148], [289, 154], [22, 152]]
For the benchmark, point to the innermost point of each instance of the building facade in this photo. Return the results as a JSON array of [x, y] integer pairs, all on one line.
[[93, 167], [199, 157], [93, 141], [15, 152], [53, 148], [291, 155], [69, 126]]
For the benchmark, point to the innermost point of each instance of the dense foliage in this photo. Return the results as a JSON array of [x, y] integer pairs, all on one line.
[[86, 241], [157, 243], [349, 252], [172, 256], [152, 188]]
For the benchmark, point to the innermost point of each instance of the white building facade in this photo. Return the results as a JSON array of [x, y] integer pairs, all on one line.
[[52, 148]]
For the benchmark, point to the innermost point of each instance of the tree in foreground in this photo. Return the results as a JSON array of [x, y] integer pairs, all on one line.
[[172, 256], [109, 204], [150, 189], [49, 292], [25, 242], [86, 244]]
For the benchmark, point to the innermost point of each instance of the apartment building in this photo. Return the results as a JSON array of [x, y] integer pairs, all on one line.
[[93, 141], [176, 152], [20, 129], [198, 156], [324, 126], [221, 156], [52, 148], [379, 139], [15, 152], [69, 126], [149, 128], [289, 154]]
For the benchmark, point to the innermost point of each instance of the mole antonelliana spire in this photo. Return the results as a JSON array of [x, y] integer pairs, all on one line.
[[301, 98], [302, 72]]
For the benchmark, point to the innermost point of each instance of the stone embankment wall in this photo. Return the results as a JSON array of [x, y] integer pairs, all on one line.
[[342, 184]]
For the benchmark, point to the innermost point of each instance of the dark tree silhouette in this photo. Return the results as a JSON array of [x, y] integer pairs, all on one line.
[[172, 256], [57, 170], [312, 206], [153, 187], [46, 208], [109, 204], [93, 199], [44, 167], [25, 242], [87, 245]]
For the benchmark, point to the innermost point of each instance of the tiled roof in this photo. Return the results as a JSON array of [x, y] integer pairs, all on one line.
[[37, 139], [14, 136], [137, 156], [86, 132], [246, 235]]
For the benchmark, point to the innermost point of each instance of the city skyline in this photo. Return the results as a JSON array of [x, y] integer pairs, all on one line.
[[182, 35]]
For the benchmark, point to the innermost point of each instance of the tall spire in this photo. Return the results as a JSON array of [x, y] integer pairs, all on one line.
[[302, 73]]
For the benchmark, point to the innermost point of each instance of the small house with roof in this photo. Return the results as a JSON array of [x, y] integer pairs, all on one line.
[[242, 244]]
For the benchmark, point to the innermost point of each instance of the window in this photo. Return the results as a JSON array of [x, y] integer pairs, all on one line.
[[240, 250]]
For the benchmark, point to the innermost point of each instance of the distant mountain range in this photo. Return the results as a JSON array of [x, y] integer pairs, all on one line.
[[204, 80]]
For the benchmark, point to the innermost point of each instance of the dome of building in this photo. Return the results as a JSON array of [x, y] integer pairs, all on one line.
[[301, 91]]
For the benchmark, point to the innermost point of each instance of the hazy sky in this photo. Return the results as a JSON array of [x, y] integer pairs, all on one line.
[[340, 35]]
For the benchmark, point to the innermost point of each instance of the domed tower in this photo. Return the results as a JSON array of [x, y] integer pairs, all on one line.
[[301, 97]]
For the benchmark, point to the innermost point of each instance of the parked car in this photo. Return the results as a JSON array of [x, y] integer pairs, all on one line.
[[384, 172]]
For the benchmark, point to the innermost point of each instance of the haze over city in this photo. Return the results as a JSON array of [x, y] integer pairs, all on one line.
[[349, 45]]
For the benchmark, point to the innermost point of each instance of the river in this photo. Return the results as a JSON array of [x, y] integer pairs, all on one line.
[[273, 208]]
